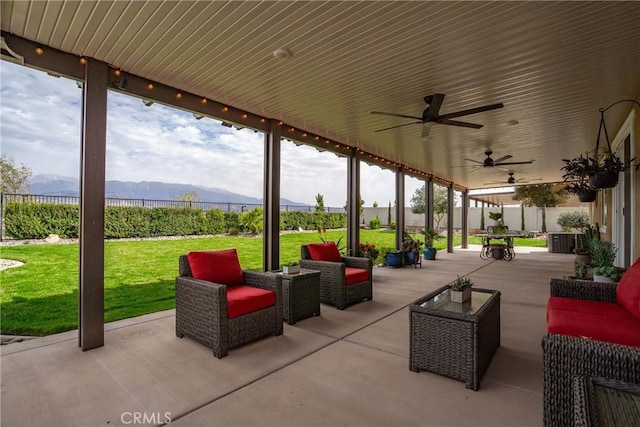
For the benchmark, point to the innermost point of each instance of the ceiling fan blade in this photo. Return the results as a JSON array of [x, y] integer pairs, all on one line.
[[457, 123], [512, 163], [426, 129], [396, 115], [399, 126], [475, 161], [494, 182], [472, 111], [501, 159]]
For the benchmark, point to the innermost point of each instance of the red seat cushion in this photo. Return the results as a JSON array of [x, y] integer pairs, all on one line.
[[628, 290], [602, 321], [216, 266], [324, 252], [355, 275], [244, 299]]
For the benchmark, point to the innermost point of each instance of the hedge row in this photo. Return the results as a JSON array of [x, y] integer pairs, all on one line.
[[38, 220]]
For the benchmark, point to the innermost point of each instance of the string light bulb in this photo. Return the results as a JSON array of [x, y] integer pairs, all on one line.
[[39, 51], [178, 95], [203, 101], [244, 115], [116, 72], [225, 109], [83, 61]]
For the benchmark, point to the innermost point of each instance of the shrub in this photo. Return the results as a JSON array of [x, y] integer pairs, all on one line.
[[215, 221], [569, 220], [38, 220], [374, 224], [392, 225]]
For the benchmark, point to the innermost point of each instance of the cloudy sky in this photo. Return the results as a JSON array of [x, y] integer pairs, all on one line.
[[40, 127]]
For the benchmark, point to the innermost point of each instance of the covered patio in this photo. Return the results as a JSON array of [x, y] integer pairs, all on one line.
[[313, 72], [346, 367]]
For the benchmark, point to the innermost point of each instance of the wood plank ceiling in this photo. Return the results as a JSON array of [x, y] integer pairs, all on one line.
[[552, 64]]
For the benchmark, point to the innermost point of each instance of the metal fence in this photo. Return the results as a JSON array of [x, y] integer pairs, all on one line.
[[152, 203]]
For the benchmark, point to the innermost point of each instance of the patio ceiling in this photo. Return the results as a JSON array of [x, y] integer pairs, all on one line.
[[552, 64]]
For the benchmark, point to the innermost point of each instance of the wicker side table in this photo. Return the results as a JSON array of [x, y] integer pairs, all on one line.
[[604, 402], [301, 295], [457, 340]]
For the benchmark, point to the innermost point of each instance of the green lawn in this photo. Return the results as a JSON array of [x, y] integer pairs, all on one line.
[[41, 297]]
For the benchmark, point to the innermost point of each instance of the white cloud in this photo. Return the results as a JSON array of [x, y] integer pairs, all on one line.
[[40, 127]]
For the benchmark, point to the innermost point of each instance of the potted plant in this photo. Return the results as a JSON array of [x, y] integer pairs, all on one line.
[[603, 255], [368, 250], [461, 289], [429, 251], [410, 248], [292, 268], [576, 178], [583, 251], [605, 169], [393, 258], [499, 227]]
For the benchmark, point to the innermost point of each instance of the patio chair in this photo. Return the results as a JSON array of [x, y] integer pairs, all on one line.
[[344, 280], [223, 307], [600, 339]]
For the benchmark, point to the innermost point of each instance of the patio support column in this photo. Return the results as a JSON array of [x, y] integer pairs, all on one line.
[[92, 184], [271, 218], [399, 207], [353, 204], [464, 219], [428, 203], [450, 219]]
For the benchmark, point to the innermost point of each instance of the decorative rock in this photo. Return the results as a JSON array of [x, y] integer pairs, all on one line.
[[52, 238]]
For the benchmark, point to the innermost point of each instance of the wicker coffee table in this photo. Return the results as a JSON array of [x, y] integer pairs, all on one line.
[[301, 295], [457, 340]]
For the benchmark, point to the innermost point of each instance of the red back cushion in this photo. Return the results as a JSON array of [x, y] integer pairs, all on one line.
[[324, 252], [628, 290], [216, 266]]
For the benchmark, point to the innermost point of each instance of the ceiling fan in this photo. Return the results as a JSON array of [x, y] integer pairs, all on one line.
[[490, 163], [431, 115], [512, 180]]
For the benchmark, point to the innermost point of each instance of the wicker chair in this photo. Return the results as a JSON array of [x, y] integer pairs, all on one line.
[[333, 286], [201, 311], [566, 357]]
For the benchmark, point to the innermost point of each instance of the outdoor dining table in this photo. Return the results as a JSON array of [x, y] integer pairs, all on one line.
[[497, 250]]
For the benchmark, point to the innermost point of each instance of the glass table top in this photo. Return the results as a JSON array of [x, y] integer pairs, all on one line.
[[442, 301]]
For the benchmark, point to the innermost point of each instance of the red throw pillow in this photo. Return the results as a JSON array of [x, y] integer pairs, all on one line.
[[628, 290], [324, 252], [216, 266]]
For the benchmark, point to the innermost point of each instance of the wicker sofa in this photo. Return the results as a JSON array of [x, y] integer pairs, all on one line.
[[226, 315], [590, 333], [344, 280]]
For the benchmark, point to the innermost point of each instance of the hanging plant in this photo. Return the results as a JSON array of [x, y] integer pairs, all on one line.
[[576, 178], [605, 167]]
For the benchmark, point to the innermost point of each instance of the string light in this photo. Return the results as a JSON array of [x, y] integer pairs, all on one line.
[[149, 86], [203, 101], [244, 115], [262, 120], [83, 61], [116, 72], [39, 51], [225, 109], [304, 135], [178, 95], [280, 123]]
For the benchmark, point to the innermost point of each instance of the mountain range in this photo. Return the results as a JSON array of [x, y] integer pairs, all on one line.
[[56, 185]]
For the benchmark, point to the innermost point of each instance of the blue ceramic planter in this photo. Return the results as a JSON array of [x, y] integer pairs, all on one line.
[[429, 253], [394, 259]]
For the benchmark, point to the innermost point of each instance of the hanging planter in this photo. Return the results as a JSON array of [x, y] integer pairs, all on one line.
[[576, 178], [588, 195], [605, 168]]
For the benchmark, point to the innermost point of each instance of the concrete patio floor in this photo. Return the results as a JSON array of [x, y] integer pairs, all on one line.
[[344, 368]]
